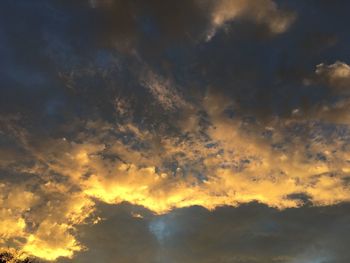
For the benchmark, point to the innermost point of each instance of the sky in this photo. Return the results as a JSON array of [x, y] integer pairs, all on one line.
[[183, 131]]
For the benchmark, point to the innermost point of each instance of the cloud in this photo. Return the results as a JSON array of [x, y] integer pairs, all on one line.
[[238, 167], [163, 91], [336, 75], [30, 220], [248, 233], [42, 245], [335, 108], [37, 205], [225, 161], [15, 201], [125, 25], [262, 12], [124, 105]]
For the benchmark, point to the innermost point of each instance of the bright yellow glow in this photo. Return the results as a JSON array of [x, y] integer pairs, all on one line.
[[51, 241]]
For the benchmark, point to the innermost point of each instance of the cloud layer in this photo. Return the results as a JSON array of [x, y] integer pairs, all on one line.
[[207, 131]]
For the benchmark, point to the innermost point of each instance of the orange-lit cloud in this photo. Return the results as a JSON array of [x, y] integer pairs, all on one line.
[[337, 75], [226, 162], [262, 12]]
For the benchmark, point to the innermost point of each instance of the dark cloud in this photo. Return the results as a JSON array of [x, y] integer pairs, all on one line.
[[136, 25], [250, 233]]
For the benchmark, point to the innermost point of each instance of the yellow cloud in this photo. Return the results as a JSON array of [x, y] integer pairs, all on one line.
[[51, 241], [14, 202], [227, 162]]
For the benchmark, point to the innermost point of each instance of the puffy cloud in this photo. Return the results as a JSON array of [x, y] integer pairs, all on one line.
[[37, 205], [43, 245], [32, 220], [336, 75], [262, 12], [15, 201]]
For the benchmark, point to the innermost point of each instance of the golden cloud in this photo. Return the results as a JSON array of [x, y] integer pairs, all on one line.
[[227, 162]]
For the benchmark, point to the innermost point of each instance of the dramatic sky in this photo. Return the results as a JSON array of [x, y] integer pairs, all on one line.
[[175, 131]]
